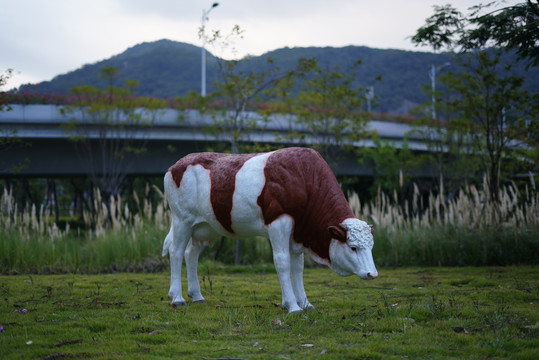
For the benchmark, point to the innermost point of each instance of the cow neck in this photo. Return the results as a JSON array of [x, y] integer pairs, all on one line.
[[301, 184]]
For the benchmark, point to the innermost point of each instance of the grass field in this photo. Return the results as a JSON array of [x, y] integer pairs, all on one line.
[[434, 313]]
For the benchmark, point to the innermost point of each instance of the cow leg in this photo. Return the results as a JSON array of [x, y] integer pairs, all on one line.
[[181, 234], [296, 265], [191, 260], [279, 233]]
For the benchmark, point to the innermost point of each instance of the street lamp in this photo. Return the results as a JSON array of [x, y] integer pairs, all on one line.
[[432, 75], [369, 95], [205, 14]]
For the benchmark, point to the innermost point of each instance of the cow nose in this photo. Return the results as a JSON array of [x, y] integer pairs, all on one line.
[[372, 275]]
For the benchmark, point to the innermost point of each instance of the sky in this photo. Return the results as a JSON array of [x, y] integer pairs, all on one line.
[[44, 38]]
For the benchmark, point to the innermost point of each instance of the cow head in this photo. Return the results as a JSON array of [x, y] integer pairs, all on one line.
[[350, 250]]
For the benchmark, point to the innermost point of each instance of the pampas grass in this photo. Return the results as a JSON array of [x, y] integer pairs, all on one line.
[[469, 229]]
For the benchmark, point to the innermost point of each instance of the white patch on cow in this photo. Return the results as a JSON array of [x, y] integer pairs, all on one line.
[[280, 235], [193, 198], [247, 218]]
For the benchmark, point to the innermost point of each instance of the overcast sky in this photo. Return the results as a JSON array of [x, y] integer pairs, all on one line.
[[41, 39]]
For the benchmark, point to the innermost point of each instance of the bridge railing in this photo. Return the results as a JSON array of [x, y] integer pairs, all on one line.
[[48, 121]]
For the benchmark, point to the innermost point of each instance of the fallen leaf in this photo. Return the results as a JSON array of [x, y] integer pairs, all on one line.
[[29, 342], [255, 344], [277, 322], [459, 329], [155, 332], [308, 345]]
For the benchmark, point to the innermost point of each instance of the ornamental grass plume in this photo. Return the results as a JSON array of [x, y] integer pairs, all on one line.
[[471, 208]]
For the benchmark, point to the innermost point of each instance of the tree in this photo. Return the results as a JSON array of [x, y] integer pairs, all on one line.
[[497, 115], [238, 87], [108, 126], [4, 77], [493, 117], [391, 166], [446, 136], [513, 27], [329, 107]]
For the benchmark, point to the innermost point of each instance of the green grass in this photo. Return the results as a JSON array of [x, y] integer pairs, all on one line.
[[140, 251], [434, 313], [115, 251], [451, 245]]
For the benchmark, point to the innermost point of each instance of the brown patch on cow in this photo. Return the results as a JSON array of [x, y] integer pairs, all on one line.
[[223, 169], [300, 183]]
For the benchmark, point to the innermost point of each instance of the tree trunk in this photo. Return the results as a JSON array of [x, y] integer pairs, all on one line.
[[53, 196], [219, 248], [237, 259]]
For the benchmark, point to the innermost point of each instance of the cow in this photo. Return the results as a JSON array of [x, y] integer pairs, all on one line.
[[289, 196]]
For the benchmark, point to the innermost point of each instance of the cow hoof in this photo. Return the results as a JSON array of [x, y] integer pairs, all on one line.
[[292, 310], [201, 301], [179, 303]]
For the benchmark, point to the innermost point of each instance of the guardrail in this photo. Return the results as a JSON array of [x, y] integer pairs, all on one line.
[[51, 153]]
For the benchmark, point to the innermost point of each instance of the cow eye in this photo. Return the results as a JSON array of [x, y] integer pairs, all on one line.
[[353, 248]]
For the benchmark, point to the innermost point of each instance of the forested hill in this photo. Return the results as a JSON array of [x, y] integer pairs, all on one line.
[[166, 69]]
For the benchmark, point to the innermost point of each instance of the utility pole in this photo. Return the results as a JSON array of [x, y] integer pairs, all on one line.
[[432, 75]]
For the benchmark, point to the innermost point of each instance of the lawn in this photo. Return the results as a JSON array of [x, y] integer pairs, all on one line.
[[434, 313]]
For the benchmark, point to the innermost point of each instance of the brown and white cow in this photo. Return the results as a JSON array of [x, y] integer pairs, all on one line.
[[289, 196]]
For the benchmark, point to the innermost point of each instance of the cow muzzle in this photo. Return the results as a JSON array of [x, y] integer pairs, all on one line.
[[372, 275]]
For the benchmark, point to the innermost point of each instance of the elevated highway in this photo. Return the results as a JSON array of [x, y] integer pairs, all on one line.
[[46, 150]]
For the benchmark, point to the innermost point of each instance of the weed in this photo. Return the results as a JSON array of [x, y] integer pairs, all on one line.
[[388, 308], [436, 307]]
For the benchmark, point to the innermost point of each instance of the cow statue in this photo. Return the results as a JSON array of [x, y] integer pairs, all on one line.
[[289, 196]]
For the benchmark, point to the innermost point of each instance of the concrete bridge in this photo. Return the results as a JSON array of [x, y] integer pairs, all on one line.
[[46, 150]]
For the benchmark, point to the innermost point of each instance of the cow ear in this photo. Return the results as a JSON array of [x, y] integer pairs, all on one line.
[[337, 233], [372, 229]]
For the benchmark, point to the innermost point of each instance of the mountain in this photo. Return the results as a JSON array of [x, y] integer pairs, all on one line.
[[164, 69], [167, 68]]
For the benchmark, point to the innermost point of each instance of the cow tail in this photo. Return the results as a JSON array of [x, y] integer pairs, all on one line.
[[167, 242]]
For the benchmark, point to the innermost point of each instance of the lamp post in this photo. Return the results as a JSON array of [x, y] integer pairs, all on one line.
[[369, 95], [432, 74], [205, 14]]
